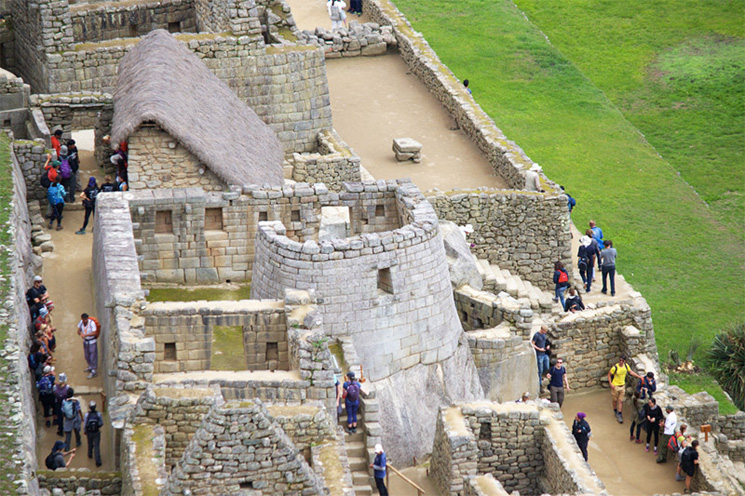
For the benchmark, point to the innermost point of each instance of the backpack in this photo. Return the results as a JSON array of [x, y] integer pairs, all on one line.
[[68, 408], [45, 385], [335, 13], [98, 325], [353, 392], [64, 169], [584, 262], [44, 180], [49, 461], [672, 444], [563, 276], [92, 423]]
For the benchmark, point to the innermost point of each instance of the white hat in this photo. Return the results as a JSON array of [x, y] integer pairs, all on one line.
[[48, 368], [585, 240], [37, 278], [62, 377], [92, 404], [536, 167], [378, 448]]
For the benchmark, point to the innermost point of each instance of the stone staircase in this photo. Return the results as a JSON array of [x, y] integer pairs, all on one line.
[[358, 455], [497, 280]]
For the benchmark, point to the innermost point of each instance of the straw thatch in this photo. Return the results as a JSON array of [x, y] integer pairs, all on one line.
[[161, 81]]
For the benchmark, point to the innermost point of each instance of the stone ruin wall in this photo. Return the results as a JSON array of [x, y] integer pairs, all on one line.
[[483, 310], [519, 231], [189, 326], [111, 21], [157, 160], [142, 454], [333, 164], [525, 447]]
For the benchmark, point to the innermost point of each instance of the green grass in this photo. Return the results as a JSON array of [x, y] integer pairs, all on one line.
[[694, 383], [678, 252], [243, 292], [227, 348]]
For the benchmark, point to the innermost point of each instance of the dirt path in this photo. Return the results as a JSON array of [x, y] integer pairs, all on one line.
[[370, 110], [623, 466], [69, 279], [310, 14]]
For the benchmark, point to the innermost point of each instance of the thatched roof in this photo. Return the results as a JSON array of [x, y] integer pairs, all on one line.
[[161, 81]]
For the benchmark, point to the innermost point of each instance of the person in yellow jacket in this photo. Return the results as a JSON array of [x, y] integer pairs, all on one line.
[[617, 381]]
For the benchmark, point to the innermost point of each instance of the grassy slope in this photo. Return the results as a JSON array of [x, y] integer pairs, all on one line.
[[671, 246]]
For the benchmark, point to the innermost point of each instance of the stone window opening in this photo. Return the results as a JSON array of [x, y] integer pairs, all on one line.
[[272, 352], [485, 431], [163, 222], [477, 323], [385, 281], [246, 485], [263, 216], [174, 27], [379, 210], [213, 219], [132, 30], [169, 352], [295, 216]]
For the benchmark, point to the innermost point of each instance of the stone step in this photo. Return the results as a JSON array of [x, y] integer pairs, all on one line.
[[511, 284], [363, 490], [501, 282], [358, 463], [354, 448], [360, 478]]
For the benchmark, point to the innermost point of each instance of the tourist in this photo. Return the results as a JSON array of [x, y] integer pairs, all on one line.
[[561, 281], [351, 401], [654, 417], [379, 466], [617, 382], [524, 398], [71, 417], [74, 160], [89, 331], [41, 338], [608, 261], [668, 432], [56, 459], [683, 442], [60, 394], [688, 463], [120, 160], [107, 186], [355, 7], [532, 178], [540, 344], [466, 82], [639, 422], [121, 184], [66, 174], [44, 318], [573, 302], [571, 202], [585, 258], [36, 297], [45, 386], [57, 141], [581, 432], [56, 197], [594, 254], [93, 423], [646, 386], [37, 361], [89, 202], [336, 13], [597, 233], [558, 382]]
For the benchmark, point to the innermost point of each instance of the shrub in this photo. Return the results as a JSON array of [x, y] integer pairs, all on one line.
[[726, 359]]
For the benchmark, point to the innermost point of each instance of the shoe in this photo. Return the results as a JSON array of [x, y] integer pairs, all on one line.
[[613, 294], [660, 460], [48, 423], [98, 464], [92, 375], [87, 370], [655, 450], [647, 449], [686, 491], [50, 226], [90, 457], [605, 292], [60, 433], [619, 417], [679, 478], [638, 441], [631, 438], [59, 228], [82, 231]]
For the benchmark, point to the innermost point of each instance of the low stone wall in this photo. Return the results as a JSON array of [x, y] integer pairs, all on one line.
[[519, 231], [143, 454], [359, 39], [484, 485], [483, 310], [72, 111], [31, 156], [733, 426], [70, 481], [306, 425], [506, 157], [107, 22], [333, 165]]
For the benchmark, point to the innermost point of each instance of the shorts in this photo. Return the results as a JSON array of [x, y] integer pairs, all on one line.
[[617, 392], [689, 470]]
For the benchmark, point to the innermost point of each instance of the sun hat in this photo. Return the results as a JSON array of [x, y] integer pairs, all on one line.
[[43, 312], [48, 368], [536, 167], [37, 278], [378, 448], [585, 240], [92, 404]]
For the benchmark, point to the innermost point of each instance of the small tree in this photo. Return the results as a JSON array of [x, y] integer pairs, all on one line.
[[726, 359]]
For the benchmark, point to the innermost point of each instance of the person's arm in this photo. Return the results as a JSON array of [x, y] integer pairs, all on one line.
[[72, 455], [338, 394], [49, 159], [536, 347], [556, 277], [566, 382]]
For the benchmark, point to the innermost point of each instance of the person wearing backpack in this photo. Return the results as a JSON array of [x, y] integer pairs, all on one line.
[[74, 159], [56, 197], [584, 263], [93, 423], [581, 432], [617, 382], [89, 329], [60, 394], [56, 459], [351, 401], [72, 418], [336, 13], [561, 281], [45, 386], [66, 172], [88, 195]]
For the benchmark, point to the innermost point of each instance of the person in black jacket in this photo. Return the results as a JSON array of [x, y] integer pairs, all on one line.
[[574, 302], [581, 432], [653, 416], [561, 280]]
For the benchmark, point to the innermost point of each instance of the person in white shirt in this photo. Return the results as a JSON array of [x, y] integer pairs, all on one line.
[[88, 330], [671, 422], [336, 13], [532, 179]]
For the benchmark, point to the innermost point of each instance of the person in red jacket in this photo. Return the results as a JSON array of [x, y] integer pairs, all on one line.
[[57, 141]]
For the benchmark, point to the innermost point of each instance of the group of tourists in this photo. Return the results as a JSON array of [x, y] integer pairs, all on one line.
[[337, 10], [60, 406], [60, 178]]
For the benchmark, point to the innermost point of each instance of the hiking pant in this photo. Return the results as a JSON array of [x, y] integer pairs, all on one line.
[[662, 448], [609, 271], [586, 277], [557, 395], [352, 412], [355, 6], [639, 424], [653, 428], [380, 483], [94, 446], [559, 292], [60, 417], [582, 443], [57, 213], [47, 402], [90, 347], [88, 212], [542, 367], [68, 436]]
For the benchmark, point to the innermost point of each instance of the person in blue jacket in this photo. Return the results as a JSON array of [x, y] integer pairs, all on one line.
[[379, 466], [561, 280]]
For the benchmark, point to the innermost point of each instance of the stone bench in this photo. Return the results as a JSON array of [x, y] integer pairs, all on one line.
[[407, 149]]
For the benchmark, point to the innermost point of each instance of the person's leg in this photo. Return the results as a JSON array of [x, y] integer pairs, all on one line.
[[68, 438], [89, 436], [77, 437], [553, 393], [60, 422], [583, 448], [561, 295], [631, 430], [560, 396], [85, 219], [612, 274], [662, 448], [639, 428], [87, 353], [656, 431], [94, 357], [605, 281], [60, 209], [689, 478], [97, 447], [380, 483], [354, 415]]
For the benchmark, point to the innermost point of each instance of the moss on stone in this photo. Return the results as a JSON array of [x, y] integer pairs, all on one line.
[[142, 438], [227, 348], [207, 293]]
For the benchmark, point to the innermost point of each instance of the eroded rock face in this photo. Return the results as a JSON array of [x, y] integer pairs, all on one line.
[[461, 264], [410, 399]]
